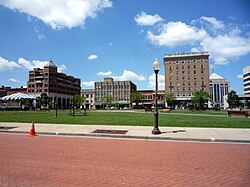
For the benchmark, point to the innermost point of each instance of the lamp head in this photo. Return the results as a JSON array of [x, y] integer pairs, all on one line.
[[156, 65]]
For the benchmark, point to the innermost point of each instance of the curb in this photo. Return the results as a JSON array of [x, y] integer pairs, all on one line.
[[135, 137]]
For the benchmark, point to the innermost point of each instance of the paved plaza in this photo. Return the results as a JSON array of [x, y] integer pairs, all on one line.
[[80, 161]]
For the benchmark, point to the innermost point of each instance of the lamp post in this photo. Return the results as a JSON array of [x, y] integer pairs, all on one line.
[[156, 68], [55, 105]]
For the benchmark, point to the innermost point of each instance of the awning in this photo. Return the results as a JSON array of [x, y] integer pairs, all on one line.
[[17, 96]]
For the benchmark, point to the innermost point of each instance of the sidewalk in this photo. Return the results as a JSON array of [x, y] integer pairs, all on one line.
[[136, 132]]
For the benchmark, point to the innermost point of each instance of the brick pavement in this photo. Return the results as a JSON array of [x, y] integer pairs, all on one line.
[[76, 161]]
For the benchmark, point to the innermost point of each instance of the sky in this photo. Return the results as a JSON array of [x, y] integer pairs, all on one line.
[[93, 39]]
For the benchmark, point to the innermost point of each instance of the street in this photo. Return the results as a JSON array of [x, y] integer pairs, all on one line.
[[80, 161]]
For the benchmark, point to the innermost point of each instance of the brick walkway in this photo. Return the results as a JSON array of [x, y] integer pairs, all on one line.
[[73, 161]]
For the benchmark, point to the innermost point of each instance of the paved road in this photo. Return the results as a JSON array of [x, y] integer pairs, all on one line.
[[77, 161]]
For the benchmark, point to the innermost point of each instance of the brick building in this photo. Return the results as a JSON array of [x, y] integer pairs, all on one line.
[[186, 73], [119, 90], [59, 87]]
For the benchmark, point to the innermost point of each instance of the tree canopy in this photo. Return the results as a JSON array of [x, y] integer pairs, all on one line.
[[200, 98], [136, 97], [107, 99], [232, 99], [78, 100], [170, 99]]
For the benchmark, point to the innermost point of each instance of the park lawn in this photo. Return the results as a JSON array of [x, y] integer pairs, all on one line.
[[124, 118]]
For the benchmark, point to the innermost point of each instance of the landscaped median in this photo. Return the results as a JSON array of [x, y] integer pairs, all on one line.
[[130, 118]]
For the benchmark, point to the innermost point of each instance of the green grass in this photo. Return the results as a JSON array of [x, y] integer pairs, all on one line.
[[175, 119]]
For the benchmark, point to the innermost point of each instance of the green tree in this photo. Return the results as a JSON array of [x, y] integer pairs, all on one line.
[[44, 99], [232, 99], [136, 97], [170, 99], [107, 99], [78, 100], [200, 98]]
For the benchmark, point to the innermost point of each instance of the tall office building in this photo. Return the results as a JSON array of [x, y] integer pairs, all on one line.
[[59, 87], [246, 79], [219, 88], [119, 90], [186, 73]]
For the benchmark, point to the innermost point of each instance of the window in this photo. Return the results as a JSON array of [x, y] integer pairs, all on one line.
[[202, 66], [183, 83], [189, 83], [170, 73], [177, 72], [183, 72], [194, 83], [194, 77], [177, 67], [194, 66], [194, 72], [183, 78], [202, 71], [182, 61], [177, 78], [188, 66], [177, 62], [178, 84]]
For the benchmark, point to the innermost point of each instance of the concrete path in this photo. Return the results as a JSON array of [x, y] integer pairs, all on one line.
[[137, 132]]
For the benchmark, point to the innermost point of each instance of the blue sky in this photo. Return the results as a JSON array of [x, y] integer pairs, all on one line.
[[93, 39]]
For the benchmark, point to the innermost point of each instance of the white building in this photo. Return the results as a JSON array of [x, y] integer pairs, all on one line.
[[89, 95], [246, 79], [219, 87]]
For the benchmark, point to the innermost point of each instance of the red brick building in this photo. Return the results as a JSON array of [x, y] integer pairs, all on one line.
[[59, 87]]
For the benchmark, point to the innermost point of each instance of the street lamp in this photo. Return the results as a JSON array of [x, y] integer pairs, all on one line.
[[55, 106], [156, 68]]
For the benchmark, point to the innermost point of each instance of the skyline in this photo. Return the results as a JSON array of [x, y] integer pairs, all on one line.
[[93, 39]]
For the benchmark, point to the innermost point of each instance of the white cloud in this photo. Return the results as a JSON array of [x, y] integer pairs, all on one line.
[[59, 13], [129, 75], [225, 47], [161, 82], [144, 19], [89, 84], [92, 57], [61, 68], [14, 80], [30, 65], [214, 22], [240, 76], [7, 65], [176, 34], [107, 73]]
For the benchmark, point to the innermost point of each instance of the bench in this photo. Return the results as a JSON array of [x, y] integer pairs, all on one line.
[[237, 112], [166, 110], [43, 109], [77, 113], [148, 109]]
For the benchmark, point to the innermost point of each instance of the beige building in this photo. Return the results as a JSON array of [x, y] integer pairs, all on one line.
[[246, 79], [89, 95], [119, 91], [186, 73]]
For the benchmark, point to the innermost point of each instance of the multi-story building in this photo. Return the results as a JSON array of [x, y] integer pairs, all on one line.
[[59, 87], [219, 88], [149, 98], [89, 95], [8, 90], [119, 91], [246, 79], [186, 73]]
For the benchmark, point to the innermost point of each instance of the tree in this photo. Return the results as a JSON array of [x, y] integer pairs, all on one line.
[[170, 99], [136, 97], [78, 100], [232, 99], [107, 99], [200, 98], [44, 99]]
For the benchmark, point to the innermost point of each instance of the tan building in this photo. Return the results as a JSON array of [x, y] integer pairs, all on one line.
[[186, 73], [149, 98], [59, 87], [89, 95], [119, 91]]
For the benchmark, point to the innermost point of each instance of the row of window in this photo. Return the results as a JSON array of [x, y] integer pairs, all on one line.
[[185, 89], [113, 93], [184, 83], [183, 72], [184, 78], [126, 98], [186, 61], [111, 87]]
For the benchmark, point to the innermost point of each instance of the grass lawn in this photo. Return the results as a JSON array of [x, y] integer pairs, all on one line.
[[126, 118]]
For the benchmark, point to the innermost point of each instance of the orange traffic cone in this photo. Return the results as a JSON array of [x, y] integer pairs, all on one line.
[[32, 130]]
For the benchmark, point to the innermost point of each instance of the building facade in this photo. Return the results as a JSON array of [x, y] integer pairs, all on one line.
[[186, 73], [246, 79], [59, 87], [149, 98], [89, 95], [219, 88], [119, 91]]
